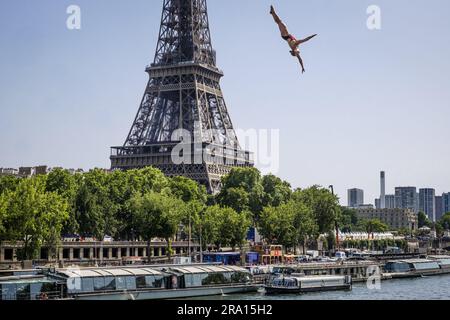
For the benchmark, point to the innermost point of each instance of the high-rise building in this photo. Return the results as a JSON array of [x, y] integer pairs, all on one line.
[[389, 202], [445, 203], [439, 207], [427, 203], [355, 198], [382, 190], [407, 198]]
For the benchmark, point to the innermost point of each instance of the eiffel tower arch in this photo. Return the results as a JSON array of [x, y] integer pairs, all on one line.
[[183, 112]]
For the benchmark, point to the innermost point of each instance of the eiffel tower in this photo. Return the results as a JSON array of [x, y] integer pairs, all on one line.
[[182, 126]]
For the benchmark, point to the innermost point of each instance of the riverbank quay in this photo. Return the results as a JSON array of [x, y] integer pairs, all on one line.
[[96, 253]]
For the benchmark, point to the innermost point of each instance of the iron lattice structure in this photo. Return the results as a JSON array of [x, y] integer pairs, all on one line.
[[183, 96]]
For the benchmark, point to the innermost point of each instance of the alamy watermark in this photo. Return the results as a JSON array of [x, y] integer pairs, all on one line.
[[214, 145], [374, 278], [374, 19], [74, 279], [73, 21]]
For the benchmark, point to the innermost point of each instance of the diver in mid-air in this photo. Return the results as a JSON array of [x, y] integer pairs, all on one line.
[[294, 44]]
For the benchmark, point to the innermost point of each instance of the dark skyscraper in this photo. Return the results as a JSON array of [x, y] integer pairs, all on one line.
[[407, 198], [427, 203], [439, 207], [355, 198]]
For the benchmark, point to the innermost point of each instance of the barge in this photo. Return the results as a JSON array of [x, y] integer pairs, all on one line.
[[129, 283], [297, 284], [414, 268]]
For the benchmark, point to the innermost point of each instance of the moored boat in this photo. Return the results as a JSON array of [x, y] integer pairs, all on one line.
[[131, 283], [296, 284]]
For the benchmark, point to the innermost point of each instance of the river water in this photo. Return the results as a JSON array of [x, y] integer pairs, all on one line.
[[426, 288]]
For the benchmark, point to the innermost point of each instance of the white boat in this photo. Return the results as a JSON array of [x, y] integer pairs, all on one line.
[[295, 284], [156, 282]]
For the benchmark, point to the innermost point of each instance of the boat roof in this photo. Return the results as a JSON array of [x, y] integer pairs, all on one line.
[[222, 253], [20, 280], [438, 257], [147, 271], [207, 269], [116, 272], [316, 278], [412, 261]]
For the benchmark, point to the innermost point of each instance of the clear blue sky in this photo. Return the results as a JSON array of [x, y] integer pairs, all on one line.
[[370, 100]]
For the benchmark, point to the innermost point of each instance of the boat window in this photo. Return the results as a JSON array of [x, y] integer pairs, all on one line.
[[23, 292], [159, 282], [121, 283], [110, 283], [214, 278], [240, 277], [426, 265], [99, 284], [397, 267], [445, 262], [131, 283], [197, 279], [150, 281], [49, 288], [140, 282], [36, 289], [8, 291], [87, 284], [189, 280]]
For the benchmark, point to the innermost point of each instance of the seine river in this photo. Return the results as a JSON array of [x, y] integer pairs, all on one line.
[[427, 288]]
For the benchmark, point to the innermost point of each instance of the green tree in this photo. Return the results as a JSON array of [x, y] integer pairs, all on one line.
[[157, 215], [96, 211], [66, 185], [304, 224], [375, 225], [187, 190], [290, 224], [34, 216], [404, 231], [439, 229], [242, 190], [4, 199], [444, 222], [207, 228], [233, 227], [276, 191], [8, 182], [277, 225], [349, 220], [124, 185], [235, 198], [325, 206], [423, 220], [223, 226]]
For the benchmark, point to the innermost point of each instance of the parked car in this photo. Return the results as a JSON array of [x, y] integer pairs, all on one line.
[[340, 255], [108, 239]]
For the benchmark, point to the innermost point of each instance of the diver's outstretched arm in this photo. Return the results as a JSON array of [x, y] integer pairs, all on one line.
[[299, 42], [301, 62]]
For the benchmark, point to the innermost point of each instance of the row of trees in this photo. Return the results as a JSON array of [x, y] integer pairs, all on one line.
[[144, 204], [137, 204]]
